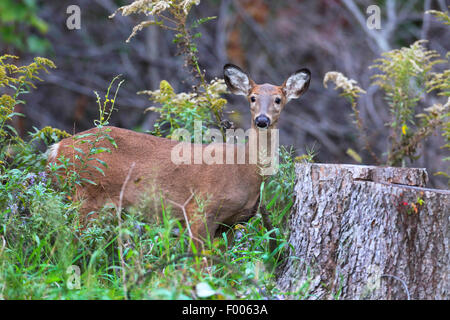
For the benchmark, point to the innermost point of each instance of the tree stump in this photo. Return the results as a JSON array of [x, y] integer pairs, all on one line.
[[365, 232]]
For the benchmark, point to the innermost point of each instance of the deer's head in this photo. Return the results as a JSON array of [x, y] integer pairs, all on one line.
[[266, 100]]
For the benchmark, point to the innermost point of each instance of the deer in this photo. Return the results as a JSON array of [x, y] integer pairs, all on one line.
[[141, 165]]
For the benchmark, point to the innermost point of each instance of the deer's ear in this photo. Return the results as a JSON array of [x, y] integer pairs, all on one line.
[[237, 80], [296, 84]]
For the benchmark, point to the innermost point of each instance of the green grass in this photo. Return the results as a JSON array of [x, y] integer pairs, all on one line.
[[41, 242], [38, 250]]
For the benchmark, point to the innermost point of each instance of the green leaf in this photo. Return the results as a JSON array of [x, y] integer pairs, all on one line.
[[103, 163], [83, 136], [37, 45], [274, 199], [99, 150], [88, 181], [79, 150], [99, 170]]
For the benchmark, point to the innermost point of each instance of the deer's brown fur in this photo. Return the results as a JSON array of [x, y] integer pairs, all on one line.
[[228, 193]]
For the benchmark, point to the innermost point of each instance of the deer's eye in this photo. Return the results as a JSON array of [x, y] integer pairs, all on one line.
[[277, 100], [252, 99]]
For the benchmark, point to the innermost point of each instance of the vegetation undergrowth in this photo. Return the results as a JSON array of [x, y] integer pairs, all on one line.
[[406, 77], [124, 254]]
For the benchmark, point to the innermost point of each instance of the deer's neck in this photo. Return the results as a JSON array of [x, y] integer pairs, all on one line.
[[262, 149]]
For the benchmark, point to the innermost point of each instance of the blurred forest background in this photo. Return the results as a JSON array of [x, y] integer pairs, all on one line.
[[269, 39]]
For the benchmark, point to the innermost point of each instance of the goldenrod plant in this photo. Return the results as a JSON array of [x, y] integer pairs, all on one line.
[[180, 110], [404, 76], [15, 81], [172, 15], [88, 159]]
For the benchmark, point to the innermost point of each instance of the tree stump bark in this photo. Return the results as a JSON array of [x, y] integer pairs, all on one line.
[[365, 232]]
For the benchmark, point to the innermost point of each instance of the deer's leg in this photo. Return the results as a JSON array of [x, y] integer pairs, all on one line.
[[88, 210], [90, 205], [202, 226], [85, 208]]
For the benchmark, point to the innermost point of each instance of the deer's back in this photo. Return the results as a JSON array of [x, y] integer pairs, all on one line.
[[225, 188]]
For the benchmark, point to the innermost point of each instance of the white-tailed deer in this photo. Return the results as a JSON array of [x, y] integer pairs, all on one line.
[[228, 193]]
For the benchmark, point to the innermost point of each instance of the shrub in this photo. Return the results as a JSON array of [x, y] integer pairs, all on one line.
[[405, 75]]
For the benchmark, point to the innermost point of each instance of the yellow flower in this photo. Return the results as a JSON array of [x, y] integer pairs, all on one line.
[[239, 226], [404, 128]]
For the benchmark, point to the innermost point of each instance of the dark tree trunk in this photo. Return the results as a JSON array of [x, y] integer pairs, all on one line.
[[363, 232]]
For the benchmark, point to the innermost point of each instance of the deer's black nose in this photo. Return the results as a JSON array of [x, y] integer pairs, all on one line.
[[262, 121]]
